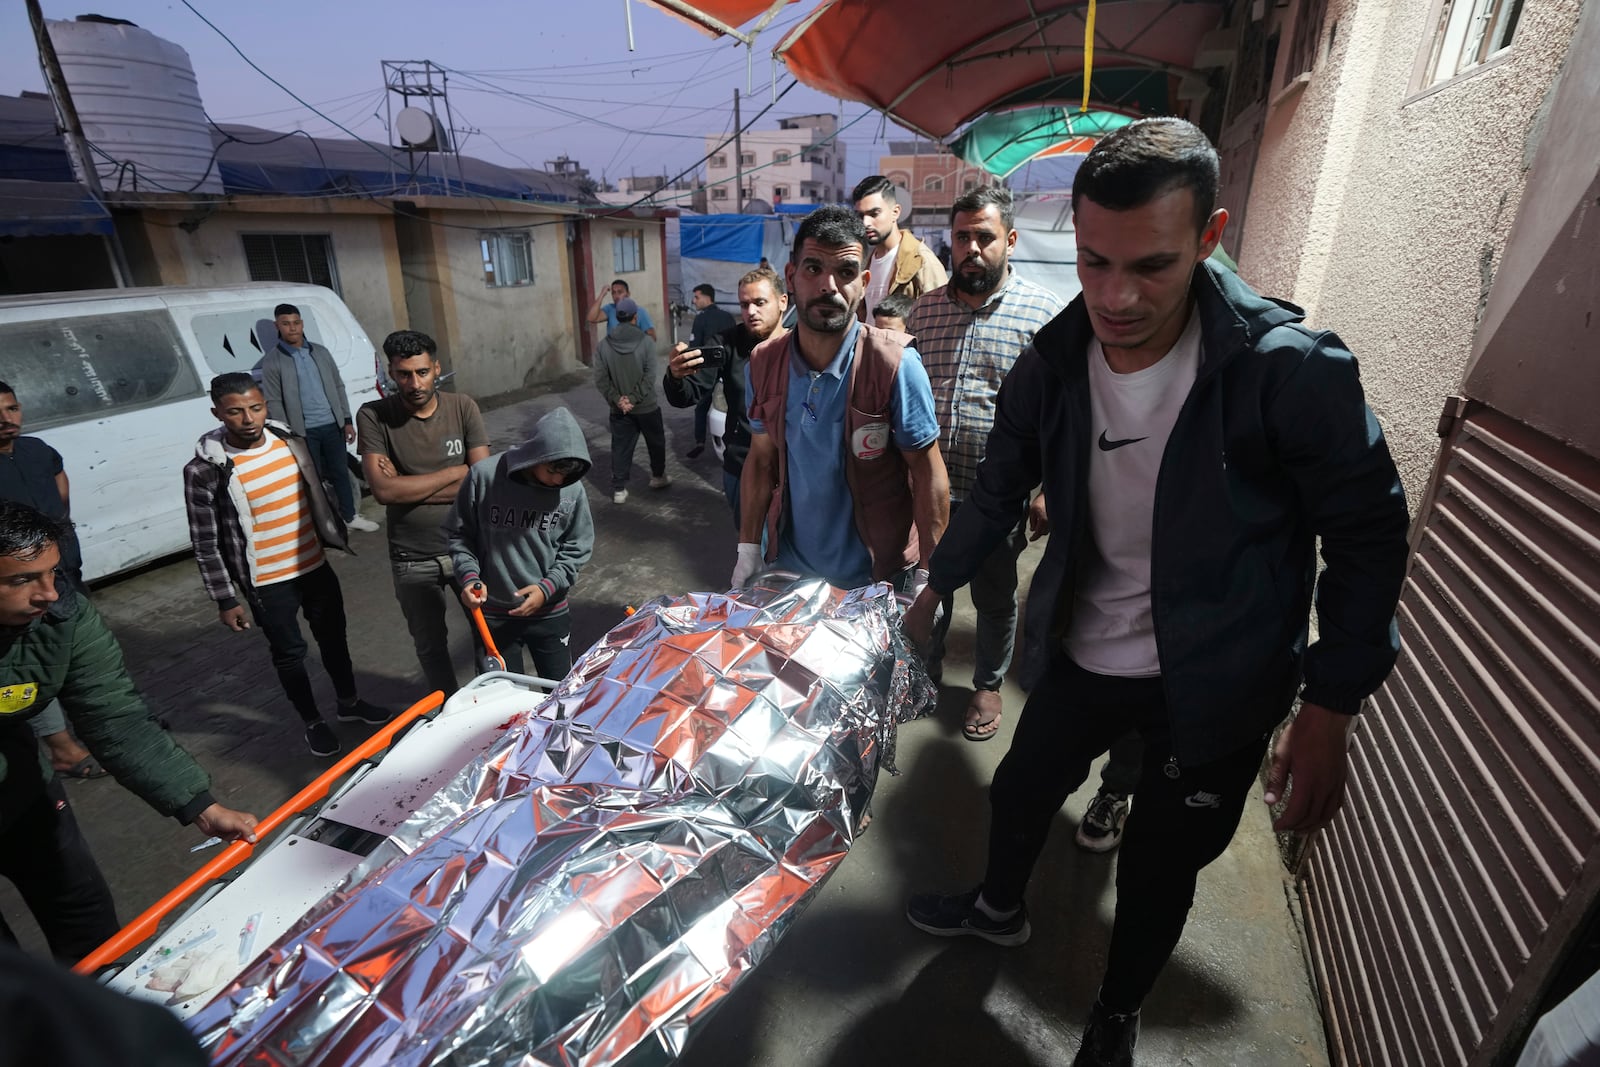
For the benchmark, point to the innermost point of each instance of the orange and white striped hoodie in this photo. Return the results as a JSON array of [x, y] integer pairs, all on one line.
[[257, 516]]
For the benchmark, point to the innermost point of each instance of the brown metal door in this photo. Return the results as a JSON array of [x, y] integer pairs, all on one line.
[[1443, 897]]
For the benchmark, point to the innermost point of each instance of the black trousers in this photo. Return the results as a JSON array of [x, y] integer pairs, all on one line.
[[277, 608], [45, 856], [625, 433], [548, 639], [1184, 819]]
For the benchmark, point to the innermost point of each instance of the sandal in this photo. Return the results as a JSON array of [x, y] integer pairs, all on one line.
[[87, 767], [983, 716]]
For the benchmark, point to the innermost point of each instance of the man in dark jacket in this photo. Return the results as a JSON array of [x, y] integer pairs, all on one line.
[[690, 379], [625, 372], [53, 645], [1194, 440], [710, 321], [519, 533]]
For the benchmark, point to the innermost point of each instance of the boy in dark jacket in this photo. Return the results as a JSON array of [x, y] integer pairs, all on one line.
[[519, 532]]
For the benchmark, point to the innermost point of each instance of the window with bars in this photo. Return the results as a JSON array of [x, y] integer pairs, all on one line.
[[627, 251], [719, 160], [780, 159], [747, 159], [719, 193], [507, 257], [1468, 33], [291, 257], [933, 184]]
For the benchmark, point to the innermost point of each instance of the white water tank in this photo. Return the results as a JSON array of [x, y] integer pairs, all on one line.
[[139, 103]]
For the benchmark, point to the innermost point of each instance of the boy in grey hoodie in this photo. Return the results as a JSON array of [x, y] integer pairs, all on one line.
[[519, 532], [625, 373]]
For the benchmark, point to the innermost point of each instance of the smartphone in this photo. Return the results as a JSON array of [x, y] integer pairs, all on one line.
[[714, 356]]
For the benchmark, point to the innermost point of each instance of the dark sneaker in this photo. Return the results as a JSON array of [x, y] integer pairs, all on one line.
[[1101, 828], [361, 711], [699, 447], [958, 916], [1108, 1040], [321, 738]]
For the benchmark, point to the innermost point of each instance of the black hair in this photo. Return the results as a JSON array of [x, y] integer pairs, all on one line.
[[5, 388], [25, 531], [710, 292], [832, 225], [408, 344], [995, 196], [1145, 159], [234, 383], [895, 306], [285, 309], [626, 288], [875, 183]]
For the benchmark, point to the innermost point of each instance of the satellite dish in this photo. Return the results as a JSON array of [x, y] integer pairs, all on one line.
[[419, 130]]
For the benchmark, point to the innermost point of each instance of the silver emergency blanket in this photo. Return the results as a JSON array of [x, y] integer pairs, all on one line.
[[590, 889]]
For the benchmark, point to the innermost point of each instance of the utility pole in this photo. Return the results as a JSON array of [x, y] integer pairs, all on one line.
[[738, 159], [77, 143], [56, 82]]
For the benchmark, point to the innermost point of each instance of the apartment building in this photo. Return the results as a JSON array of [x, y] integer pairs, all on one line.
[[800, 162], [933, 176]]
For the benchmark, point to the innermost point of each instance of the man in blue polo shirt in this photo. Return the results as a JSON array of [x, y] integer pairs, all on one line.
[[607, 313], [844, 471]]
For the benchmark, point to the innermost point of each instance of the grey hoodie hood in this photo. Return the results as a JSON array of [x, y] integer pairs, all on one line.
[[625, 337], [555, 436]]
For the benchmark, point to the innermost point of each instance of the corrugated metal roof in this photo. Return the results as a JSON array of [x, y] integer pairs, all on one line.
[[256, 160]]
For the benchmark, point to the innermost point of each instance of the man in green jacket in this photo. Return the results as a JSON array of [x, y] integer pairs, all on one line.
[[54, 645]]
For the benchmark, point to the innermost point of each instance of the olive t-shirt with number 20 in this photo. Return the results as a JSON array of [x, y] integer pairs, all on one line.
[[420, 446]]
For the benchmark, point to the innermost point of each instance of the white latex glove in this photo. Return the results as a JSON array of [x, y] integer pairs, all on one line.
[[748, 563], [919, 582]]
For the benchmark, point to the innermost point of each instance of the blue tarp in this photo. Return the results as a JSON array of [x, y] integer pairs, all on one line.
[[50, 209], [734, 238]]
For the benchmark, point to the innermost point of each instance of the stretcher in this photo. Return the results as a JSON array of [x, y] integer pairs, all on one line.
[[552, 873], [250, 894]]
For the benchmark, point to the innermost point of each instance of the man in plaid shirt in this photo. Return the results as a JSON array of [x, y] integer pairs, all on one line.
[[969, 333]]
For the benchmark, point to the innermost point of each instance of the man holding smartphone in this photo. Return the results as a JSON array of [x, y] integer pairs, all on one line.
[[696, 367], [709, 322]]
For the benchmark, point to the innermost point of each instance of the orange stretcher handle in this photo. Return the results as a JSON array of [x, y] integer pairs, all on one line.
[[491, 653], [144, 927]]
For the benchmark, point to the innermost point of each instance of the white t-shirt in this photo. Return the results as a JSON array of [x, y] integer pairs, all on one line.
[[882, 268], [1113, 628]]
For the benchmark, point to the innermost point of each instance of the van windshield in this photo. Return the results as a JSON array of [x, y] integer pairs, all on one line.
[[66, 370]]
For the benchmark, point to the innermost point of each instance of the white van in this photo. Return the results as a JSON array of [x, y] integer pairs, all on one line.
[[115, 380]]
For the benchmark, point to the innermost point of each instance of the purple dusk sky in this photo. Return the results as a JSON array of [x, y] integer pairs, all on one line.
[[536, 79]]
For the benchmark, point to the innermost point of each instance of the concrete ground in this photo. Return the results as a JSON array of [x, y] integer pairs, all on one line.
[[853, 983]]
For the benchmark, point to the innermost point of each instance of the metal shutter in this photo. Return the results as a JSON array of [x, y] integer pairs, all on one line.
[[1444, 893]]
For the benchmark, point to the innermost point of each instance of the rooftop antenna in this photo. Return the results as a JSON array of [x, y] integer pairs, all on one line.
[[416, 106]]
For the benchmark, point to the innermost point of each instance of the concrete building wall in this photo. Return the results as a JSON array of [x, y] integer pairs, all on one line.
[[213, 254], [504, 337], [934, 180], [1383, 210], [647, 285]]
